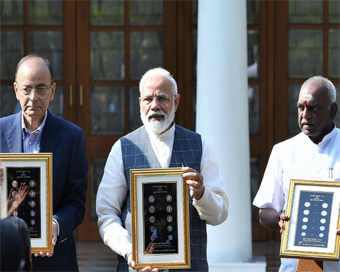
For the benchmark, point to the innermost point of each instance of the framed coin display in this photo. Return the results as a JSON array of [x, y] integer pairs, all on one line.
[[311, 231], [27, 193], [160, 218]]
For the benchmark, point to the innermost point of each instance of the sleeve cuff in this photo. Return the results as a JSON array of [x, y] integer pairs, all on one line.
[[55, 220]]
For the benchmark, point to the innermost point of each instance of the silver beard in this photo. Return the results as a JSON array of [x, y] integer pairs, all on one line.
[[155, 126]]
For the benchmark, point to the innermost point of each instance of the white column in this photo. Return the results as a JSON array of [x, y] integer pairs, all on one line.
[[222, 119]]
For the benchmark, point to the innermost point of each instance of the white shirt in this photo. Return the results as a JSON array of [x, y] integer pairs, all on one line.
[[212, 207], [299, 158]]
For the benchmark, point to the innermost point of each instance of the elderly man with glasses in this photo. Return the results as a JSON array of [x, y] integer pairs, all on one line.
[[160, 144], [34, 129]]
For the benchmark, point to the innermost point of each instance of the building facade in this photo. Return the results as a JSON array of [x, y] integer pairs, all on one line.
[[100, 49]]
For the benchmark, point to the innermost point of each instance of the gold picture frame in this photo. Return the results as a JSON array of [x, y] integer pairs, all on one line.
[[26, 192], [160, 218], [311, 231]]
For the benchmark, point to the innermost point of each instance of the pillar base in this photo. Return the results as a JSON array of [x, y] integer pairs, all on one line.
[[258, 264]]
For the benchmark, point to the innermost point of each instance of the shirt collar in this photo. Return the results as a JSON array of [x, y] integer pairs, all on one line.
[[325, 139], [328, 136], [26, 131]]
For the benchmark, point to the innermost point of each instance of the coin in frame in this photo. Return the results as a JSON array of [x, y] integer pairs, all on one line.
[[32, 193], [151, 209]]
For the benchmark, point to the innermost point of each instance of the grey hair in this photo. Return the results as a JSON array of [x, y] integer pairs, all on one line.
[[331, 92], [158, 72], [35, 56]]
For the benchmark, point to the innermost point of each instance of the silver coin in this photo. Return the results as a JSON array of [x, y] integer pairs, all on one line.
[[32, 193], [32, 213], [169, 208], [151, 209], [152, 219], [169, 218], [151, 199], [14, 183], [32, 183], [169, 198]]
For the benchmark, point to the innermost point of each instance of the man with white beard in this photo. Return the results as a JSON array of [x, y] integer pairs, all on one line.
[[159, 143]]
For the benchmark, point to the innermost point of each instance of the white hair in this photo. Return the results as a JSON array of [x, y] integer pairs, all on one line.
[[158, 72], [327, 84]]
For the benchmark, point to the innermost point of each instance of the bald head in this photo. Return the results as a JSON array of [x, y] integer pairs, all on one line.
[[37, 58]]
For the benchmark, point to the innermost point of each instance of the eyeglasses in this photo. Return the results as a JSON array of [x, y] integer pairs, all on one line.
[[161, 99], [41, 92]]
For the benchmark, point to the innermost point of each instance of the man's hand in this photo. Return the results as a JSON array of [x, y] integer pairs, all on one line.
[[150, 248], [132, 264], [282, 218], [54, 241], [13, 202], [272, 219], [195, 182]]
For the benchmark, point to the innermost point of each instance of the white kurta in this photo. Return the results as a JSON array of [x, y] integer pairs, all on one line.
[[212, 207], [299, 158]]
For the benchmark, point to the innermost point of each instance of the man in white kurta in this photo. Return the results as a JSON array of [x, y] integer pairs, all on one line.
[[209, 199], [314, 154]]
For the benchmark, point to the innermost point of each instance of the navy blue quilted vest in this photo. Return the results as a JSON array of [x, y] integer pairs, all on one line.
[[137, 153]]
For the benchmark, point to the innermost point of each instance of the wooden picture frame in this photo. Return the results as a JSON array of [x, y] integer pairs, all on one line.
[[311, 231], [160, 218], [26, 192]]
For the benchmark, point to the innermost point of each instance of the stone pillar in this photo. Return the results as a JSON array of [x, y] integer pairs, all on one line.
[[222, 119]]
